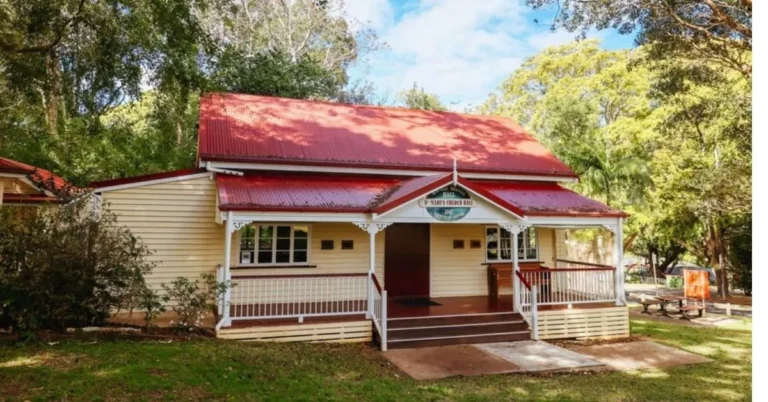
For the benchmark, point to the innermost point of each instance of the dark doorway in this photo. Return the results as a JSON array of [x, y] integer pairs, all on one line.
[[406, 260]]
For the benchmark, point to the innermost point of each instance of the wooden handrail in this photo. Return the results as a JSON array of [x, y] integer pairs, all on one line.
[[523, 280], [376, 282], [584, 263], [296, 276]]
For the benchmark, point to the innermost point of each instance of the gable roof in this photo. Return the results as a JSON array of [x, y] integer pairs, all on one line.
[[260, 129], [35, 173]]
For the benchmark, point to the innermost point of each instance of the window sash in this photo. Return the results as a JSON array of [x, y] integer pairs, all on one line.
[[281, 245], [527, 242]]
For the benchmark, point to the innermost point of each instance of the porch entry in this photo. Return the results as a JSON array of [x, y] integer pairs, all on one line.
[[406, 260]]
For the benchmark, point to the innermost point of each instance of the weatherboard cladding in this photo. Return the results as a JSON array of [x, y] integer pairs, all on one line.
[[295, 192], [248, 128]]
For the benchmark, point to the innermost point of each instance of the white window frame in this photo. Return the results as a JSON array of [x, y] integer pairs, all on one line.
[[255, 250], [525, 250]]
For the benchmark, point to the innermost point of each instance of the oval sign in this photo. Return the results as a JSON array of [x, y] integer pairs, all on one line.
[[448, 204]]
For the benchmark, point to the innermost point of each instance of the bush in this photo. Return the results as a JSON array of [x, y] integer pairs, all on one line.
[[192, 300], [67, 265]]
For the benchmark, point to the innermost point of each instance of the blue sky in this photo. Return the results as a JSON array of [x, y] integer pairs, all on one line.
[[459, 49]]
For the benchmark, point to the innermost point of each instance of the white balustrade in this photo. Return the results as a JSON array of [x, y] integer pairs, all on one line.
[[570, 286], [298, 296]]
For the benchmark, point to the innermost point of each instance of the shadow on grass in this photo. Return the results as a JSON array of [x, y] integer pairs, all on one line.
[[216, 370]]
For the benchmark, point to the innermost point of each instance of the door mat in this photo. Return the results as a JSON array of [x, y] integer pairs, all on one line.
[[418, 302]]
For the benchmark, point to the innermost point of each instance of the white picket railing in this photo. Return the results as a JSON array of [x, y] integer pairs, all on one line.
[[298, 296], [379, 311], [571, 286], [529, 307]]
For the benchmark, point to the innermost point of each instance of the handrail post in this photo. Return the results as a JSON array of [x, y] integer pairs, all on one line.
[[535, 312], [384, 321]]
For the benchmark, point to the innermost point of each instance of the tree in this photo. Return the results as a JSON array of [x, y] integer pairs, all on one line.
[[717, 32], [591, 111], [68, 265], [417, 98]]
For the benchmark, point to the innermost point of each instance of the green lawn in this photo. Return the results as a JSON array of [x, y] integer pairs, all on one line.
[[209, 369]]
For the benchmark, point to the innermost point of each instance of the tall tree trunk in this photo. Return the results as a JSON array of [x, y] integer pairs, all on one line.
[[51, 94]]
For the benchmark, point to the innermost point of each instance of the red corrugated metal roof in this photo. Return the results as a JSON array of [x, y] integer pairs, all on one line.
[[248, 128], [547, 199], [312, 193], [36, 173], [302, 192]]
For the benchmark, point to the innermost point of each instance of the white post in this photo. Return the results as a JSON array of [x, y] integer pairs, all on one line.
[[227, 262], [515, 268], [535, 312], [383, 321], [371, 269], [618, 252]]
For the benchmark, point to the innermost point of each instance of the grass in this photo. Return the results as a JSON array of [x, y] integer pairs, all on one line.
[[219, 370]]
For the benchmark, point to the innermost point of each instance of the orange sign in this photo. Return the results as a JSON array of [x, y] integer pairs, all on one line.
[[696, 284]]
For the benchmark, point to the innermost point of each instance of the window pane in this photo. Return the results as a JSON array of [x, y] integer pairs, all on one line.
[[265, 244], [300, 244], [299, 256], [521, 245], [505, 234], [266, 232], [492, 254], [506, 249], [531, 244], [301, 231], [283, 231], [283, 256], [265, 257], [283, 244]]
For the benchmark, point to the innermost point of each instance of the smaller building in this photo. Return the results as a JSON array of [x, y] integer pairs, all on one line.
[[25, 187]]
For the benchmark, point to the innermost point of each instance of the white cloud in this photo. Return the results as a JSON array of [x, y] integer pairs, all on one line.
[[378, 14], [461, 50]]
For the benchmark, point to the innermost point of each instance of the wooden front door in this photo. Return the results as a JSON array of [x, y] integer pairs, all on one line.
[[406, 260]]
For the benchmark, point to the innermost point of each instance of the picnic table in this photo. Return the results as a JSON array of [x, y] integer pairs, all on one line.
[[662, 301]]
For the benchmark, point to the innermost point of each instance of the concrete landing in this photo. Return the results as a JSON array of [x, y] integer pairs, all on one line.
[[433, 363], [539, 357]]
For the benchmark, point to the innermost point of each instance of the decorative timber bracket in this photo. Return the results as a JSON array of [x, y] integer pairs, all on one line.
[[371, 228], [611, 228], [515, 228]]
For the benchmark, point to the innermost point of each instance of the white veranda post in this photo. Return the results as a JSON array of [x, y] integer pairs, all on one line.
[[618, 252], [227, 263], [514, 230], [372, 229]]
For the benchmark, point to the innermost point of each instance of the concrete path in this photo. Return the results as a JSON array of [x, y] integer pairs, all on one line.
[[538, 357], [535, 357], [639, 355]]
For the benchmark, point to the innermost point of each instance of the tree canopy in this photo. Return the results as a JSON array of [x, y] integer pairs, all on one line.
[[672, 150]]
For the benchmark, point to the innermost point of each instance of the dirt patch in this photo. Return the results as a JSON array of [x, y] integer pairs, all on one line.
[[448, 361], [566, 343], [639, 355]]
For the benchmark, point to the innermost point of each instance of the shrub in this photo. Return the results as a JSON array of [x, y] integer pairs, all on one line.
[[193, 299], [67, 265]]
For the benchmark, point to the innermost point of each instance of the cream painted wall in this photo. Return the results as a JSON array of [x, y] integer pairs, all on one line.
[[462, 272], [12, 185], [336, 261], [176, 220]]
